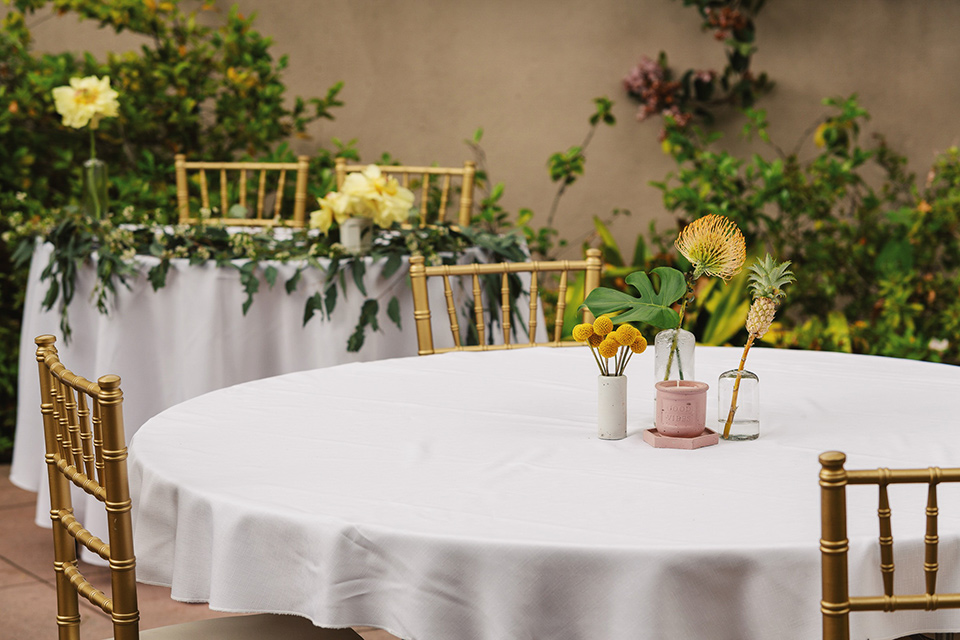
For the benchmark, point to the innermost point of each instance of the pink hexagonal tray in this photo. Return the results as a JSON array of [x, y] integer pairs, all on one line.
[[655, 439]]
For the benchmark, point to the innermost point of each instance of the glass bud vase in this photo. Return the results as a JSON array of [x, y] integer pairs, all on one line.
[[674, 359], [746, 418], [94, 201], [356, 235]]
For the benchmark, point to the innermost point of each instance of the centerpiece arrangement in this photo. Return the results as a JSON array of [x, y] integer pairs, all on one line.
[[620, 344], [739, 400], [365, 198], [714, 246], [85, 101]]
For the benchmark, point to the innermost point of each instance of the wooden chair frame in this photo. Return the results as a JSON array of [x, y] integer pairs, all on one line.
[[837, 603], [425, 176], [298, 219], [419, 273]]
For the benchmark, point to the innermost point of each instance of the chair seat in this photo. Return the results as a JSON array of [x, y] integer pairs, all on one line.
[[262, 626]]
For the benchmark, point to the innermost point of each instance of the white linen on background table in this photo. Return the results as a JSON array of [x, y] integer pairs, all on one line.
[[191, 336], [467, 495]]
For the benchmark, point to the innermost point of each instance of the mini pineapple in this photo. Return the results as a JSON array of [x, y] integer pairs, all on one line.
[[766, 282]]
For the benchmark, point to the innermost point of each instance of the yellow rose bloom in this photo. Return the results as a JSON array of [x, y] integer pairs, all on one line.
[[375, 196], [594, 340], [602, 326], [582, 332], [334, 205], [639, 344], [86, 101], [625, 334], [609, 347]]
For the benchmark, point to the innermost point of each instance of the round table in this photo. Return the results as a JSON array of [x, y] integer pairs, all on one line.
[[467, 495]]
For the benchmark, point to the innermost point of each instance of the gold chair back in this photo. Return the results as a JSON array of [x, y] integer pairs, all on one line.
[[434, 189], [419, 273], [837, 604], [85, 447], [246, 174]]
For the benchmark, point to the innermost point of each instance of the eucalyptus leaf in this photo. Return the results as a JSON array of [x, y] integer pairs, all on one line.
[[393, 311]]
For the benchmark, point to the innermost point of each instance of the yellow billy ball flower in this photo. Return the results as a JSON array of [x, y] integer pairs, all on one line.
[[625, 334], [639, 344], [602, 326], [714, 246], [608, 348], [582, 332], [595, 340]]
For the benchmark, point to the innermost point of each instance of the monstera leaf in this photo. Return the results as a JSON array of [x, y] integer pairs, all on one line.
[[652, 307]]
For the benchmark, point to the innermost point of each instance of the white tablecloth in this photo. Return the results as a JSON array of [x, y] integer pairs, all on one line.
[[467, 496], [191, 337]]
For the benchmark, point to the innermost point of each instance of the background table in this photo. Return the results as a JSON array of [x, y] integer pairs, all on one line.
[[191, 337], [466, 495]]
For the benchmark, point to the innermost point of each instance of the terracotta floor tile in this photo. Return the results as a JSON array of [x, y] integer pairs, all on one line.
[[30, 613]]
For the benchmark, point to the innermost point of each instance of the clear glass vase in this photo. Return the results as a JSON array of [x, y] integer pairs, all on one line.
[[94, 202], [746, 416], [674, 359]]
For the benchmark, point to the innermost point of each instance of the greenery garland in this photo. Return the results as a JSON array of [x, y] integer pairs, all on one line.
[[114, 245]]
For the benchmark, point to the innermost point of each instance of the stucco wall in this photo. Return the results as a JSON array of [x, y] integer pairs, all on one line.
[[422, 75]]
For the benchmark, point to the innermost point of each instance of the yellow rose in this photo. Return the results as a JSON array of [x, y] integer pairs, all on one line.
[[333, 205], [86, 101]]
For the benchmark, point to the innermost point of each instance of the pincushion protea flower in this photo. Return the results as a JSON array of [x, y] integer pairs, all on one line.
[[620, 343], [714, 245], [766, 284]]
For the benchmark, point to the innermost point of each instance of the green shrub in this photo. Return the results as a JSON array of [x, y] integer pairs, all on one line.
[[208, 92], [876, 259]]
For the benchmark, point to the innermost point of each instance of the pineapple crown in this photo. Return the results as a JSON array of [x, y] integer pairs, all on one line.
[[769, 278]]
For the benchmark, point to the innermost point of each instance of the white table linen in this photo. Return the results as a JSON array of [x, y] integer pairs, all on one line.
[[467, 496], [191, 337]]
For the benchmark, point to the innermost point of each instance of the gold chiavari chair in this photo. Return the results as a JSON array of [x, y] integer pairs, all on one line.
[[83, 432], [419, 273], [265, 188], [837, 604], [434, 188]]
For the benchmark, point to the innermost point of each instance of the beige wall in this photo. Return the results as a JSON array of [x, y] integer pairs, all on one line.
[[421, 75]]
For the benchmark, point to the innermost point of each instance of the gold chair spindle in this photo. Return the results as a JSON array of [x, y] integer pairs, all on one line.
[[425, 199], [243, 187], [561, 304], [261, 193], [478, 307], [86, 436], [280, 184], [534, 297], [204, 191], [886, 534], [444, 196], [505, 306], [931, 539], [224, 199], [451, 310]]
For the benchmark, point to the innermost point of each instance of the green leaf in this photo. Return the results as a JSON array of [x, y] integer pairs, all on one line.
[[359, 268], [393, 263], [652, 307], [314, 304], [368, 318], [291, 284], [270, 275], [158, 274], [330, 300], [393, 311]]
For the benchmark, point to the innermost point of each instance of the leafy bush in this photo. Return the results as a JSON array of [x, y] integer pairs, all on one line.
[[876, 259], [208, 92]]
